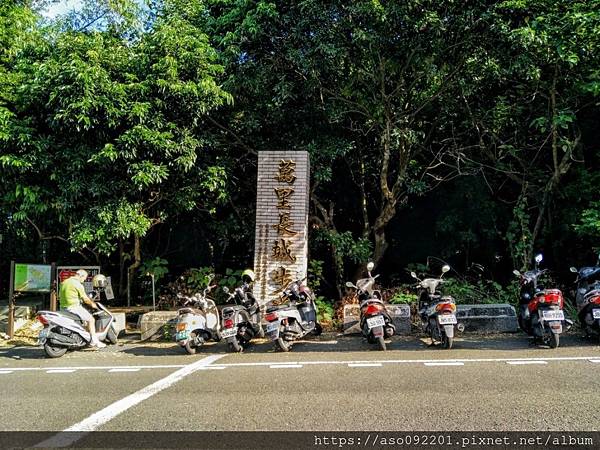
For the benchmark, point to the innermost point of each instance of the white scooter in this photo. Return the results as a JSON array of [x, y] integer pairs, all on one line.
[[66, 331], [198, 321]]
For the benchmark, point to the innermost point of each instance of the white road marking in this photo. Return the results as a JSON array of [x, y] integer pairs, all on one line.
[[126, 369], [365, 365], [5, 372], [594, 359], [105, 415], [444, 364], [213, 368], [60, 371], [523, 363], [285, 366]]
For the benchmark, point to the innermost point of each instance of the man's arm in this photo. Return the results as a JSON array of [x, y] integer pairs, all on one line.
[[85, 298]]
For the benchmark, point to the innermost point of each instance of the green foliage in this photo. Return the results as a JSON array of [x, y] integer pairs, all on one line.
[[325, 309], [480, 291], [315, 273], [589, 225], [231, 279], [157, 267], [403, 297], [198, 279]]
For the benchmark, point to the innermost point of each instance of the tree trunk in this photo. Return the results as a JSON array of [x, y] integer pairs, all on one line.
[[137, 262]]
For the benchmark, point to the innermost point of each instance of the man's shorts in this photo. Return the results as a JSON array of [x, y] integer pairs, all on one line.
[[81, 312]]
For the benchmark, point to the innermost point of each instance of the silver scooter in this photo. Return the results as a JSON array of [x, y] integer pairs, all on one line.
[[66, 331], [197, 322], [287, 323]]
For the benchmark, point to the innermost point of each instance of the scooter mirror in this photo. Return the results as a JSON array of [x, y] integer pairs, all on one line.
[[539, 257], [517, 273], [349, 284], [370, 266], [445, 268], [573, 269], [414, 275], [226, 289]]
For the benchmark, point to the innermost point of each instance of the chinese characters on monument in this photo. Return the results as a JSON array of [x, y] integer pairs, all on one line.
[[281, 248]]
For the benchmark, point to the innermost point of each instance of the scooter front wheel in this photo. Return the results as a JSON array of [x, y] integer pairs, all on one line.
[[111, 336], [54, 352], [283, 345]]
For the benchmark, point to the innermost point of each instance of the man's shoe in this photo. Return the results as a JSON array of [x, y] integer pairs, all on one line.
[[98, 344]]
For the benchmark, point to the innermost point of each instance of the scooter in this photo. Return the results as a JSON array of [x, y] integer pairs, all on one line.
[[437, 311], [197, 322], [64, 330], [541, 312], [288, 323], [375, 322], [241, 322], [587, 298]]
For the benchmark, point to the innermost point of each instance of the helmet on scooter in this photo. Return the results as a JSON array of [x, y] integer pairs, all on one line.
[[99, 281], [248, 276]]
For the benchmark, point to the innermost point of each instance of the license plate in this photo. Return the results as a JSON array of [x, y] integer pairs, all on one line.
[[447, 319], [553, 315], [181, 335], [377, 321], [228, 332], [596, 313], [43, 335], [272, 326]]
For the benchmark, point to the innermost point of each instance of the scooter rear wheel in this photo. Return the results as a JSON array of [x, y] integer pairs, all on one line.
[[283, 345], [235, 346], [189, 345], [447, 342], [554, 340], [381, 343], [54, 352]]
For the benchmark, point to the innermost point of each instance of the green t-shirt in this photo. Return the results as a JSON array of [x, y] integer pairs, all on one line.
[[71, 293]]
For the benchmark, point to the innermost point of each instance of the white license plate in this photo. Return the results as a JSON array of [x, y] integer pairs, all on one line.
[[272, 326], [446, 319], [43, 335], [553, 315], [596, 313], [377, 321], [228, 332]]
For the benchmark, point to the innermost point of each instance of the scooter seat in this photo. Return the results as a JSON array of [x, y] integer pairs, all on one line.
[[190, 311], [277, 308], [69, 315]]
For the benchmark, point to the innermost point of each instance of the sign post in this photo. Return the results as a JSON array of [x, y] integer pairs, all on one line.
[[11, 301]]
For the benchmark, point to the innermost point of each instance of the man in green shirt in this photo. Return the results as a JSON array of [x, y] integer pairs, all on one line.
[[71, 295]]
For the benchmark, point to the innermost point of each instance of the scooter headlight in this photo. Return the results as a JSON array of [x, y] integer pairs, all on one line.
[[181, 327]]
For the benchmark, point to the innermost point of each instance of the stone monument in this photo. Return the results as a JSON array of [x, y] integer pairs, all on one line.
[[281, 240]]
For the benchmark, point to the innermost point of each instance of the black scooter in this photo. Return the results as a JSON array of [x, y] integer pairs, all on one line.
[[587, 298], [241, 322], [541, 312]]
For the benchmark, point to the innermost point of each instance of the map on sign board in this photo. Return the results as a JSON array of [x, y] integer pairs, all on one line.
[[33, 278]]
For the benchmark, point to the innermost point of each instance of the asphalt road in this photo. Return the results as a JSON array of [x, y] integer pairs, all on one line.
[[334, 383]]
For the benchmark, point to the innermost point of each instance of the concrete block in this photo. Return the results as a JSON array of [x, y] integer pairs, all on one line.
[[119, 323], [151, 323], [400, 315], [488, 318]]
